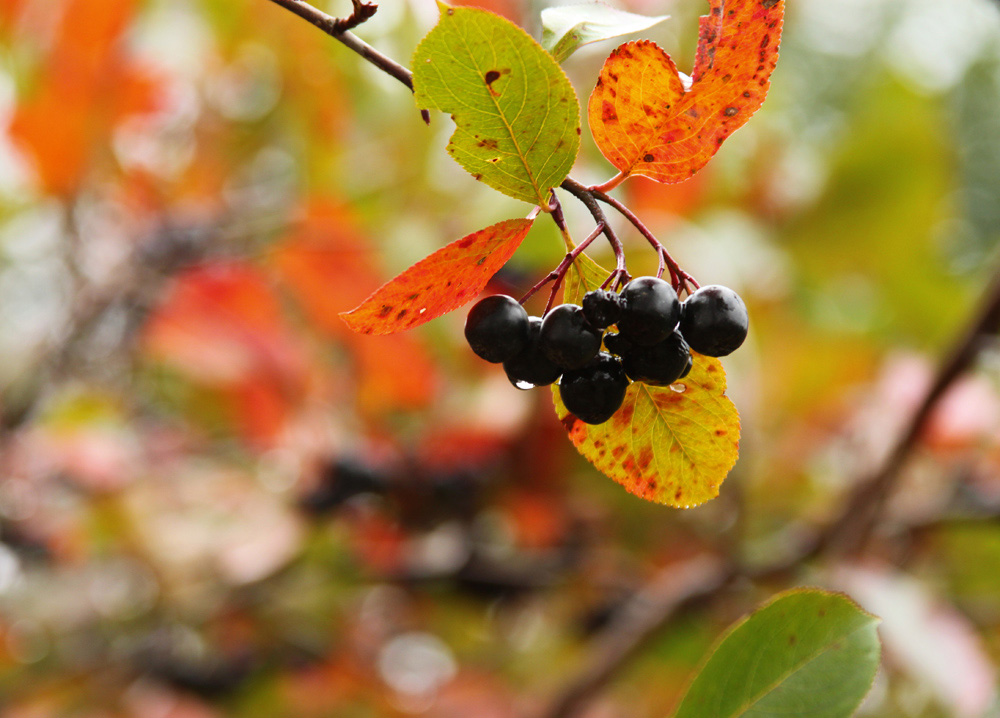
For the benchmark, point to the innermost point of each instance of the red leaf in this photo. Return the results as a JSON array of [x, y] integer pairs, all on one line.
[[645, 122], [435, 285]]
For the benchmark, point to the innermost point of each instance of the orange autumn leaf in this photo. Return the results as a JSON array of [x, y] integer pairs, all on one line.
[[644, 119], [88, 36], [439, 283], [55, 134], [9, 11]]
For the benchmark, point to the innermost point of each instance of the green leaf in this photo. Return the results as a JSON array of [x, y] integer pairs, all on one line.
[[566, 28], [672, 445], [806, 653], [517, 116]]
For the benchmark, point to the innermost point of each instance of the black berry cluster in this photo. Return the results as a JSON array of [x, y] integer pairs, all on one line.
[[652, 344]]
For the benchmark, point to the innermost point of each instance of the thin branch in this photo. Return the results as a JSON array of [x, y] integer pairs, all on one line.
[[556, 275], [851, 533], [610, 184], [556, 213], [679, 277], [337, 29], [639, 619], [620, 275]]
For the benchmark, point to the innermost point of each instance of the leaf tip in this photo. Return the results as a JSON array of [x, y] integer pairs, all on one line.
[[348, 319]]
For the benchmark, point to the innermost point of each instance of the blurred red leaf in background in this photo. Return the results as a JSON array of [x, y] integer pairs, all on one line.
[[87, 84], [329, 266], [222, 324]]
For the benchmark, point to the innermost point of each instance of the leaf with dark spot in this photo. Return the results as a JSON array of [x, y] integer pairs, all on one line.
[[646, 122], [498, 83], [439, 283]]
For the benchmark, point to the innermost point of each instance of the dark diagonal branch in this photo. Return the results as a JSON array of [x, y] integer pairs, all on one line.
[[337, 28], [851, 533]]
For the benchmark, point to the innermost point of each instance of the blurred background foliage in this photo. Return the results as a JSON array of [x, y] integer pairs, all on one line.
[[217, 501]]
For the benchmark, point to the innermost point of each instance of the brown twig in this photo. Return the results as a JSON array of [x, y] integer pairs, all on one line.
[[851, 533], [620, 275], [556, 275], [337, 28], [362, 11], [680, 279], [639, 619]]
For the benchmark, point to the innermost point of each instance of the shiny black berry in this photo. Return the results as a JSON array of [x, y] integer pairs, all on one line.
[[661, 364], [601, 307], [497, 328], [650, 310], [714, 321], [617, 344], [567, 338], [530, 367], [688, 366], [595, 392]]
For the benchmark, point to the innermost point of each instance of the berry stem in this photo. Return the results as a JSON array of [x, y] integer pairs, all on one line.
[[556, 212], [557, 274], [587, 197], [610, 184], [680, 279]]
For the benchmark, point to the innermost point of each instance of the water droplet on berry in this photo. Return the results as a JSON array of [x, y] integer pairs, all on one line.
[[524, 385], [678, 387]]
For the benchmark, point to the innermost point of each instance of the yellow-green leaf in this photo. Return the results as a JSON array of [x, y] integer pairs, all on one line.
[[672, 445], [517, 117]]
